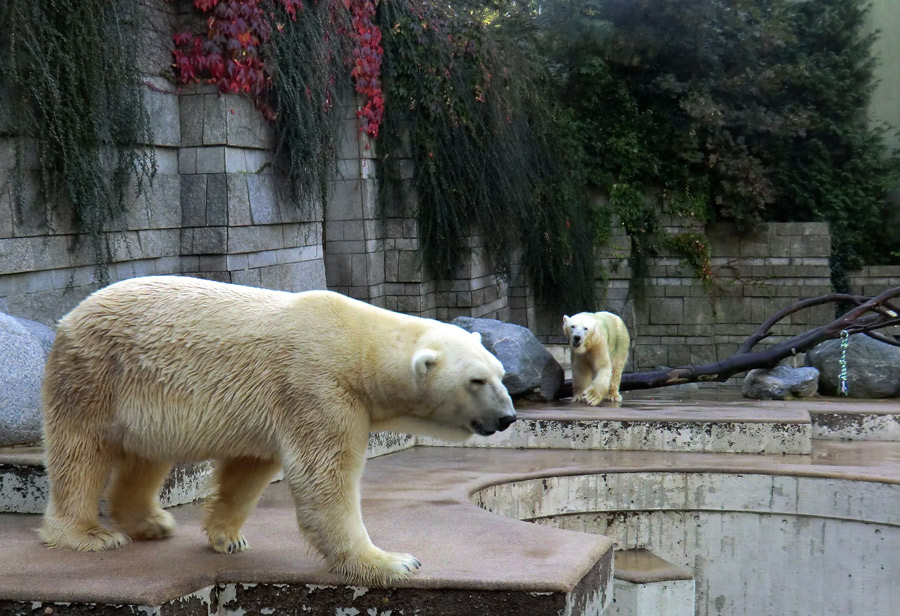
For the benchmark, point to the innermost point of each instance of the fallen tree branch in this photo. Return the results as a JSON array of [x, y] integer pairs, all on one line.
[[869, 315]]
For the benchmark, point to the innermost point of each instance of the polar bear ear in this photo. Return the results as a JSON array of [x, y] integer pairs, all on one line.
[[423, 360], [477, 336], [566, 321]]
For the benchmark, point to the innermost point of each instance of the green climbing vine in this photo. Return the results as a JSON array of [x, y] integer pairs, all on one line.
[[492, 154], [76, 93]]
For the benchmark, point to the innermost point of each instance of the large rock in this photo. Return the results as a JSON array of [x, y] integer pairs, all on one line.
[[873, 367], [24, 346], [781, 383], [528, 364]]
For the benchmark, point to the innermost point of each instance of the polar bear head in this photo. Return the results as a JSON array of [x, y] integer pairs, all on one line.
[[459, 382], [579, 331]]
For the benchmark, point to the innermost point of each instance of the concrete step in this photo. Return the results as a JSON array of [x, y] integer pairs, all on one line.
[[645, 424], [647, 585], [846, 419], [24, 487], [473, 562]]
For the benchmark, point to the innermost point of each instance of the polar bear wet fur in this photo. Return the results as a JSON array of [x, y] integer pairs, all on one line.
[[599, 343], [151, 371]]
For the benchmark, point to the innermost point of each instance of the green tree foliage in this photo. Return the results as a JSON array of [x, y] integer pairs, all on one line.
[[735, 110], [76, 91]]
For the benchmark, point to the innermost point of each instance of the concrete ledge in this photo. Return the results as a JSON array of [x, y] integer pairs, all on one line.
[[647, 585], [651, 425], [845, 419], [645, 567], [24, 487], [473, 561]]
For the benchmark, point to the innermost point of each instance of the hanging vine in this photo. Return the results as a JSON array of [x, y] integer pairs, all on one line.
[[291, 58], [72, 69], [473, 111]]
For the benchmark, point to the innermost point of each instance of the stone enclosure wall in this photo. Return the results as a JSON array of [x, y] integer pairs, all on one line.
[[218, 210]]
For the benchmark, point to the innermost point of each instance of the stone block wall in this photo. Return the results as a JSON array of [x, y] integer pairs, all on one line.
[[375, 257], [45, 266], [217, 209], [873, 280], [239, 222], [675, 320]]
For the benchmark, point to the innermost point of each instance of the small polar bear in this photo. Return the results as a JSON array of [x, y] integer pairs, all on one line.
[[156, 370], [599, 342]]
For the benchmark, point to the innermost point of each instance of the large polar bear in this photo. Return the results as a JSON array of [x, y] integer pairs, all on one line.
[[599, 342], [154, 370]]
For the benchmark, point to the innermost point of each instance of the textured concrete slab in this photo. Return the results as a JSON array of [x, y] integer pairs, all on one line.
[[408, 504], [24, 487], [846, 419], [644, 567], [646, 424], [420, 500]]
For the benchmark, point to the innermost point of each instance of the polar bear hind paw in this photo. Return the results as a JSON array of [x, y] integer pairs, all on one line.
[[378, 567], [90, 539], [228, 543], [157, 525]]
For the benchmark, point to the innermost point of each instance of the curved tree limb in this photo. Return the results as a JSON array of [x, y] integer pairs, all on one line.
[[868, 315]]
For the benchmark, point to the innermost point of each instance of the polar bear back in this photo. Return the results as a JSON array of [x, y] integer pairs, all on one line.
[[612, 330], [197, 367]]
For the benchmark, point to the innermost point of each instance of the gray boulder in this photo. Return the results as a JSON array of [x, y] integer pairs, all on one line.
[[781, 383], [873, 367], [528, 364], [24, 346]]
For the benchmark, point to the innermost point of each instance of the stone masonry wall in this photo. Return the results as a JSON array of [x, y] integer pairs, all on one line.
[[679, 322], [215, 209], [218, 210], [376, 257]]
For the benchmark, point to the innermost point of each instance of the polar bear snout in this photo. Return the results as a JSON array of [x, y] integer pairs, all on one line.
[[500, 424], [497, 422], [576, 340], [505, 422]]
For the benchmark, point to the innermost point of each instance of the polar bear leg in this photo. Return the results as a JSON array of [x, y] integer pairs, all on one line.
[[239, 484], [329, 514], [581, 377], [616, 378], [78, 469], [133, 497], [598, 390]]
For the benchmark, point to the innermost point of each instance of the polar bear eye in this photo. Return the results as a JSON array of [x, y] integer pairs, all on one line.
[[479, 381]]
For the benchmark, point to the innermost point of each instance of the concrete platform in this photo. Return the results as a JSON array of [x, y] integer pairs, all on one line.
[[646, 424], [418, 500]]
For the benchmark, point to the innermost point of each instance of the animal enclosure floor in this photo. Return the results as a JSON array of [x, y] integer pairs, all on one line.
[[417, 501]]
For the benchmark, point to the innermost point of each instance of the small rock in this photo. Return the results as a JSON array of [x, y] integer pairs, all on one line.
[[24, 346], [781, 383], [873, 367], [528, 364]]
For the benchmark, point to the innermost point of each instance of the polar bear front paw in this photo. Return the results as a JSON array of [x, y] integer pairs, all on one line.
[[592, 397], [227, 543], [377, 567]]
